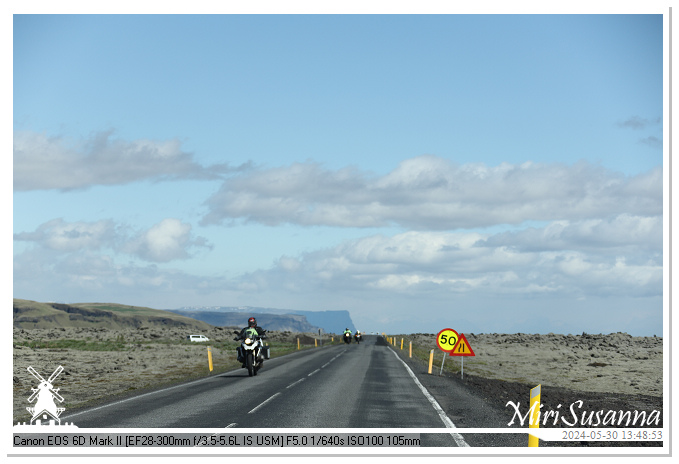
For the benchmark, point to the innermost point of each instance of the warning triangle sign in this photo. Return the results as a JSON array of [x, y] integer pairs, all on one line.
[[462, 347]]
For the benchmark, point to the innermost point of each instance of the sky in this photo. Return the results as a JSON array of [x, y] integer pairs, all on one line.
[[487, 173]]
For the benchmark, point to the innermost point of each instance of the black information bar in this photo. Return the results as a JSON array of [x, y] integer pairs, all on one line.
[[164, 440]]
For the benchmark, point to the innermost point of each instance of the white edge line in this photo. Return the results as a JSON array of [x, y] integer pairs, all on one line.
[[264, 402], [442, 414]]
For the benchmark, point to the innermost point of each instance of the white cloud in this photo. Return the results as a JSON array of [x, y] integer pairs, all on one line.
[[562, 259], [42, 162], [430, 193], [166, 241], [612, 235], [64, 236], [100, 277]]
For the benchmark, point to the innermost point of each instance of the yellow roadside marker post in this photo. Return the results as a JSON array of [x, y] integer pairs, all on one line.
[[410, 355], [401, 344], [209, 357], [431, 360], [534, 422], [315, 343], [298, 343]]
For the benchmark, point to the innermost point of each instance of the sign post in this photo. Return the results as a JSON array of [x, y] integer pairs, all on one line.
[[446, 340], [462, 348]]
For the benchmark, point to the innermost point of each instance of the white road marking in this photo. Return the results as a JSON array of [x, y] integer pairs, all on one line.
[[442, 414], [263, 403], [317, 370], [295, 383]]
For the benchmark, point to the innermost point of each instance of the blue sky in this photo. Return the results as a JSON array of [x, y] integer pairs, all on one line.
[[489, 173]]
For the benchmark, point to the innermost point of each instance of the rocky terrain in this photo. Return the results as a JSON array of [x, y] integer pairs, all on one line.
[[613, 363]]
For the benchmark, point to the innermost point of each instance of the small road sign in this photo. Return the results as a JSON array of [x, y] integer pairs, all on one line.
[[446, 340], [462, 348]]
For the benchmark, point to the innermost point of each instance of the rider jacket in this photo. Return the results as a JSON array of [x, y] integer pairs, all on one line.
[[259, 330]]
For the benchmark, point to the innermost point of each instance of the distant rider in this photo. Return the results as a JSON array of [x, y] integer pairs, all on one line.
[[347, 331]]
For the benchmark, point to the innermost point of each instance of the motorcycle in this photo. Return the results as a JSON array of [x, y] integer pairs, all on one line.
[[252, 352], [358, 337], [347, 338]]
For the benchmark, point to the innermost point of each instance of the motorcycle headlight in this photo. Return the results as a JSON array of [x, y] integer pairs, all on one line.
[[248, 341]]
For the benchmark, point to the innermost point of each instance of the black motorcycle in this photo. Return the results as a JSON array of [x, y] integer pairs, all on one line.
[[347, 338], [358, 337], [252, 352]]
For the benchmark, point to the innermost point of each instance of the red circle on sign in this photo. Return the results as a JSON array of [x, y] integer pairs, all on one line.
[[438, 340]]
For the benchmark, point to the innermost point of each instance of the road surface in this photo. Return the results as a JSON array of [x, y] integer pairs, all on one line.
[[364, 385]]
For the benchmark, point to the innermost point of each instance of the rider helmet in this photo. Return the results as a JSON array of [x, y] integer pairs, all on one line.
[[252, 322]]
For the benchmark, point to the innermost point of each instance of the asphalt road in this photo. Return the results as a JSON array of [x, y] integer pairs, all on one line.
[[363, 385]]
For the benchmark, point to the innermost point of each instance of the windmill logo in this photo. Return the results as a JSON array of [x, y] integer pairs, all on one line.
[[45, 407]]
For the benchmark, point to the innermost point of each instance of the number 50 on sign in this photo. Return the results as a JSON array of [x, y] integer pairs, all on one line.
[[446, 340]]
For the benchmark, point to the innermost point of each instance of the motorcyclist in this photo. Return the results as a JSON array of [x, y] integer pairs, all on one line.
[[251, 331], [252, 324], [347, 331]]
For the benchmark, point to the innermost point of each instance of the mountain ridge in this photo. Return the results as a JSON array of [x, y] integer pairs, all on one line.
[[330, 321], [29, 314]]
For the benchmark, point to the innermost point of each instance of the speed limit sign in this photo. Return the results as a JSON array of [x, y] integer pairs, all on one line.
[[446, 340]]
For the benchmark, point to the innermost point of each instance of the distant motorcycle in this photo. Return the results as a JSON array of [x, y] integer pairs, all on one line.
[[358, 337], [252, 351], [347, 338]]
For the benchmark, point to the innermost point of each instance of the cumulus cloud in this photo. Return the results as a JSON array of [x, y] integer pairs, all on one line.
[[60, 235], [166, 241], [610, 236], [430, 193], [42, 162], [97, 276], [559, 259]]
